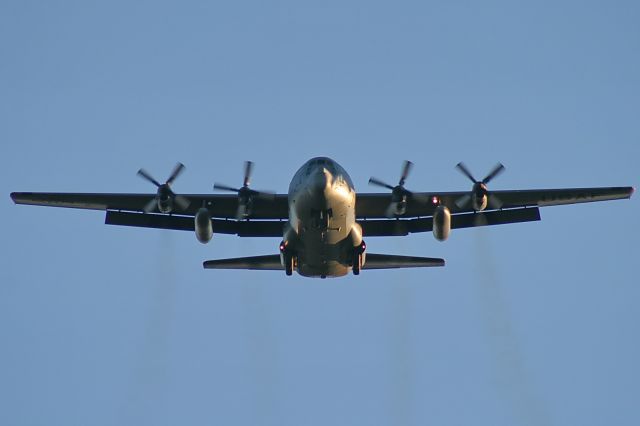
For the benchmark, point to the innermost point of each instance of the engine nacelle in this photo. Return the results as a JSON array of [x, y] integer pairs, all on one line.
[[479, 199], [441, 223], [203, 226], [397, 208], [164, 199]]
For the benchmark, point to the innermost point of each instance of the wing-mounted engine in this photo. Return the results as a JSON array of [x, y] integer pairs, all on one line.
[[165, 197], [399, 194], [479, 198], [246, 195]]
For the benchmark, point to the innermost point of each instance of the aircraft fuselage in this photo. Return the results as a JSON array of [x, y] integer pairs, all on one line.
[[323, 235]]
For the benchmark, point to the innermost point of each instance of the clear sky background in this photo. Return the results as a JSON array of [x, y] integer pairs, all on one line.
[[529, 324]]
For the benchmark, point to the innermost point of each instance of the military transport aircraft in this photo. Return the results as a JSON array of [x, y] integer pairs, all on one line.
[[322, 222]]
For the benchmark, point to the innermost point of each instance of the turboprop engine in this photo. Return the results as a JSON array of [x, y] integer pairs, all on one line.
[[203, 226], [165, 197], [479, 197], [399, 195], [441, 223]]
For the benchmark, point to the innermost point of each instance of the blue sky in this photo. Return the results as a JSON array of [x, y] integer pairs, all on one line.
[[532, 324]]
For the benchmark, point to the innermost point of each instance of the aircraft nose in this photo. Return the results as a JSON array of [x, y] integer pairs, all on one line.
[[320, 180]]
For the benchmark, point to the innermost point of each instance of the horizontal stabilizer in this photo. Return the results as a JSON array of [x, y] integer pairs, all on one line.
[[390, 261], [270, 262]]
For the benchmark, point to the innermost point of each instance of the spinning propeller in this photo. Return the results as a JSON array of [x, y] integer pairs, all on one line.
[[245, 194], [165, 196], [479, 196], [399, 194]]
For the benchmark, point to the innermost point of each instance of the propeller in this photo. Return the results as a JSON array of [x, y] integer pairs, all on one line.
[[479, 195], [399, 193], [245, 194], [165, 196]]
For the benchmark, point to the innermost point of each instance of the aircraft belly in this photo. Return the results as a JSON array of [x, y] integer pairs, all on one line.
[[319, 257], [330, 269]]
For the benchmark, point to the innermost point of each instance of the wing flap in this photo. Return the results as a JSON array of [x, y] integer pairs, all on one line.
[[401, 227], [391, 261], [253, 228], [270, 262]]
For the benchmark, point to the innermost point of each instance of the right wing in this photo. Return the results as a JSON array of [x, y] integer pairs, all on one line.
[[375, 205]]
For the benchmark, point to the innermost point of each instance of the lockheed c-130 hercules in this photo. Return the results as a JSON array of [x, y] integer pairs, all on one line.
[[321, 220]]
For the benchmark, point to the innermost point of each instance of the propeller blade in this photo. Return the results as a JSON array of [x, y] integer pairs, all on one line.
[[499, 168], [463, 201], [241, 213], [494, 202], [389, 212], [460, 166], [479, 219], [222, 187], [145, 175], [420, 197], [151, 205], [377, 182], [406, 168], [265, 195], [177, 170], [182, 202], [248, 167]]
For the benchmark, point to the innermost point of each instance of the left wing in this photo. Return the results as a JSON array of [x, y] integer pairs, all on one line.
[[221, 206]]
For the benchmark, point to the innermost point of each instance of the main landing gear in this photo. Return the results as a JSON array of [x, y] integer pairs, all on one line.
[[289, 263], [287, 258], [358, 255]]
